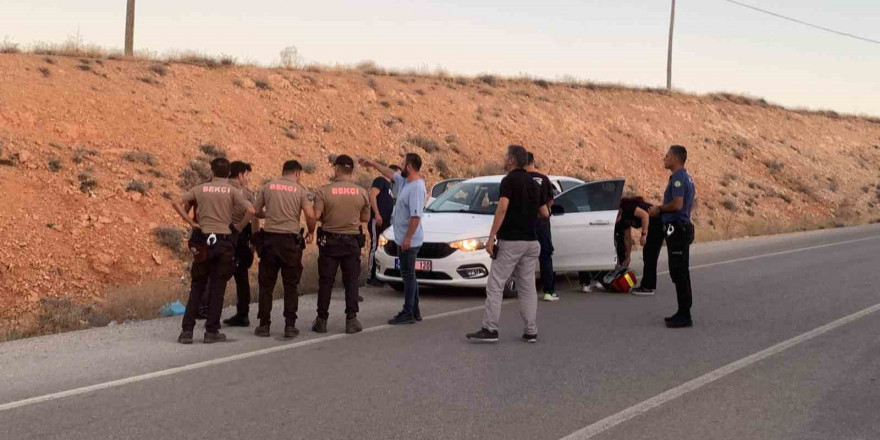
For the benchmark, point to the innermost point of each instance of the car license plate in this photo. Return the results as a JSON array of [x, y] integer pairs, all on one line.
[[421, 265]]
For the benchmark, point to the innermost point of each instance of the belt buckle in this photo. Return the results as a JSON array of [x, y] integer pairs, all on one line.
[[212, 239]]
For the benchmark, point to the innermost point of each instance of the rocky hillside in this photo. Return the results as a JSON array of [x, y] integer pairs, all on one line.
[[93, 149]]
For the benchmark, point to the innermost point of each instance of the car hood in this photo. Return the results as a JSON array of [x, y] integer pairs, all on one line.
[[451, 226]]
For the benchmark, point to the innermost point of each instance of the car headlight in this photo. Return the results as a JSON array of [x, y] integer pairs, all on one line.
[[470, 245], [382, 241]]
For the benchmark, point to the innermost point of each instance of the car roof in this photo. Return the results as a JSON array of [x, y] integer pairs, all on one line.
[[497, 179]]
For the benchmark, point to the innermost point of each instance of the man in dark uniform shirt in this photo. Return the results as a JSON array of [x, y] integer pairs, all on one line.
[[676, 216], [382, 203], [542, 228]]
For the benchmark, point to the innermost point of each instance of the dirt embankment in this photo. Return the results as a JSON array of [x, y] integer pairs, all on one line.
[[92, 150]]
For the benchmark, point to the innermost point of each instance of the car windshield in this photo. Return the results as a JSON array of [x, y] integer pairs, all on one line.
[[470, 197]]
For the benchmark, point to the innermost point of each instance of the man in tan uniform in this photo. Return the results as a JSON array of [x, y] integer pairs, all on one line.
[[214, 240], [342, 207], [244, 253], [281, 203]]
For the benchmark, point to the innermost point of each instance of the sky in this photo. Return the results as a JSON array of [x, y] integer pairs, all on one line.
[[718, 46]]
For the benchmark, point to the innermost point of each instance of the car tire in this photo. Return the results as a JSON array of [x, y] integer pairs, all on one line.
[[509, 289], [397, 286]]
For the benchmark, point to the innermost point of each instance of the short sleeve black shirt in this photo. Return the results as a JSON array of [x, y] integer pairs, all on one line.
[[384, 199], [545, 189], [522, 211], [628, 216]]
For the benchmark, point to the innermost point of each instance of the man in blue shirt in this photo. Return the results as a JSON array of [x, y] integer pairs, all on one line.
[[675, 214], [406, 221]]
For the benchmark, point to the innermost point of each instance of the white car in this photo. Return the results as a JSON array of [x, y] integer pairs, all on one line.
[[456, 226]]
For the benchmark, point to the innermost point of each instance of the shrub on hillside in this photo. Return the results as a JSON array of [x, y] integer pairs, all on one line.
[[425, 143], [159, 69], [488, 79], [441, 167], [196, 172], [212, 151], [138, 186], [87, 182], [55, 165], [172, 238], [141, 157]]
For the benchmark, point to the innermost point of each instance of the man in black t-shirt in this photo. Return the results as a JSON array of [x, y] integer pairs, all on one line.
[[634, 212], [380, 218], [542, 228], [517, 250]]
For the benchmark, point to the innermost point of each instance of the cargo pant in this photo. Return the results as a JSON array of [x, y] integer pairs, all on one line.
[[339, 252], [518, 259], [280, 252]]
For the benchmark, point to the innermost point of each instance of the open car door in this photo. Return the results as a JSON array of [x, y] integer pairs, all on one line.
[[583, 226]]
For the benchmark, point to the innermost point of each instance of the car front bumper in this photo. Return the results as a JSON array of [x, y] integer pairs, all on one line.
[[445, 271]]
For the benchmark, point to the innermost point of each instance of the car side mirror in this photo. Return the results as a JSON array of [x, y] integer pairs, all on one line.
[[557, 210]]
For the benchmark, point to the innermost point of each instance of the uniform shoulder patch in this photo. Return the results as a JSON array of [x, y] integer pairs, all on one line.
[[677, 184]]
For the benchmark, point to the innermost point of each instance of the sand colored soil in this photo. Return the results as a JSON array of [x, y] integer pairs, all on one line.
[[72, 226]]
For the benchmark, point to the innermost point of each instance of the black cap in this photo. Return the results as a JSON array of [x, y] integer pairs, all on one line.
[[345, 161]]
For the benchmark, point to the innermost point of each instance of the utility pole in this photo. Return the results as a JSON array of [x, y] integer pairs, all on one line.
[[669, 56], [129, 29]]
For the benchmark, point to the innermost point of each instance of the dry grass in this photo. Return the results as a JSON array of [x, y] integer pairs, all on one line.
[[141, 157], [442, 168], [159, 69], [142, 301], [425, 143], [212, 151]]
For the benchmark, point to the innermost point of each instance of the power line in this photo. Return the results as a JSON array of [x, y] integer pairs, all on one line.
[[845, 34]]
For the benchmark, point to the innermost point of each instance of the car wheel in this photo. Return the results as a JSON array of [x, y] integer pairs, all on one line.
[[510, 289], [396, 286]]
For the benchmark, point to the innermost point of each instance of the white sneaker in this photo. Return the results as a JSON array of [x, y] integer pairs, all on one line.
[[587, 288], [550, 297]]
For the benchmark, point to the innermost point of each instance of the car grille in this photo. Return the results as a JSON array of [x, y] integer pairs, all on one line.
[[420, 275], [428, 250]]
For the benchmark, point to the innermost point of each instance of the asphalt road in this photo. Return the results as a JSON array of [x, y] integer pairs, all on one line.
[[786, 345]]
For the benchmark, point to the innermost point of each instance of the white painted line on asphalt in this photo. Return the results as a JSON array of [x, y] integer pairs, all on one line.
[[209, 363], [251, 354], [674, 393], [776, 254]]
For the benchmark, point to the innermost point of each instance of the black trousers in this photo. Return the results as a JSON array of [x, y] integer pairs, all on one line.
[[678, 246], [279, 253], [244, 259], [375, 233], [212, 274], [545, 259], [651, 252], [339, 252]]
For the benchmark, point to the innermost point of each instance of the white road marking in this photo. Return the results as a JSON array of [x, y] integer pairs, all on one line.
[[209, 363], [674, 393], [261, 352], [776, 254]]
